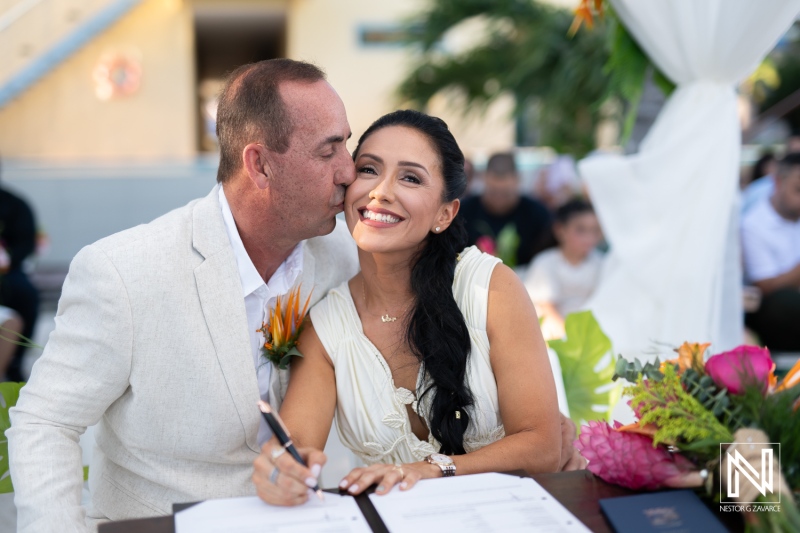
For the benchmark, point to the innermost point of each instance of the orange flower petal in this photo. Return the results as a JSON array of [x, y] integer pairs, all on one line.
[[648, 430], [690, 355], [791, 379]]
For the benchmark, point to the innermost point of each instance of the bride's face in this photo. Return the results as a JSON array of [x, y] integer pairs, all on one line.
[[397, 197]]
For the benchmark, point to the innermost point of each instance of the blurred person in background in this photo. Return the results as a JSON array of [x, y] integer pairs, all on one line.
[[561, 280], [503, 222], [17, 243], [771, 249], [761, 182], [10, 327], [558, 182]]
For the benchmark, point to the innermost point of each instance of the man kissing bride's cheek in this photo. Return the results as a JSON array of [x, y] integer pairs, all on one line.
[[430, 359]]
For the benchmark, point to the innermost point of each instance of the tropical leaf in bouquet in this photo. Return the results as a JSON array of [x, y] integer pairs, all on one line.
[[632, 370], [9, 394], [716, 400], [586, 366]]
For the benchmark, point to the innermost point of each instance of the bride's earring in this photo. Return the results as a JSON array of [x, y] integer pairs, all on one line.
[[437, 229]]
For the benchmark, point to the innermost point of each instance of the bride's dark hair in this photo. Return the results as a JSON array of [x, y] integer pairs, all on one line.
[[436, 331]]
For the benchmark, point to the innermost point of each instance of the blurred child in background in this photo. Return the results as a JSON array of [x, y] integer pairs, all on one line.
[[561, 280]]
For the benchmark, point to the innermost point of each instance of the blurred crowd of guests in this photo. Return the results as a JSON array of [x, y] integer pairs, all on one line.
[[550, 235], [770, 232], [19, 299]]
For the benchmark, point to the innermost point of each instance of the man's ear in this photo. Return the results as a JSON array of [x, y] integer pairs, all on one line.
[[255, 158], [447, 213]]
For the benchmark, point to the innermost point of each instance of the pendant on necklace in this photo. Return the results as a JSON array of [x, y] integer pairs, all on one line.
[[387, 318]]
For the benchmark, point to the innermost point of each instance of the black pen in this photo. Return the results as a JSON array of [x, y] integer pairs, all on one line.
[[282, 434]]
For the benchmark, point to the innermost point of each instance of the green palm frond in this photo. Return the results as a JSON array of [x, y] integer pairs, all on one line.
[[524, 51]]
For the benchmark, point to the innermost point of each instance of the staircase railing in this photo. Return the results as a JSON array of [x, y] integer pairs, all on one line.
[[37, 35]]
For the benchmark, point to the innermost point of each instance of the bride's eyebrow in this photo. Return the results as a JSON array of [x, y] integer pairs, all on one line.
[[399, 163], [371, 156]]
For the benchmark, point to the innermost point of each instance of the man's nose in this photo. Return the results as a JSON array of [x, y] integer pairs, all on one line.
[[346, 173]]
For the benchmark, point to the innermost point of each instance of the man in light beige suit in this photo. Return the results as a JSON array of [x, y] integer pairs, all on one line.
[[155, 335]]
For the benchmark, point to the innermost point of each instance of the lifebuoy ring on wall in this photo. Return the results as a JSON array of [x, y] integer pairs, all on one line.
[[117, 75]]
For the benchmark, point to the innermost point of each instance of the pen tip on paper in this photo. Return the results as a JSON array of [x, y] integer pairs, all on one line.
[[319, 495]]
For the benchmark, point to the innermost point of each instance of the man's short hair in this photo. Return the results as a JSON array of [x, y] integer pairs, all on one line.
[[251, 109], [789, 162], [502, 164]]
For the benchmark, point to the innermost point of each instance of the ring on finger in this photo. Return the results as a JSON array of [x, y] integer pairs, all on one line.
[[400, 468], [273, 477], [277, 452]]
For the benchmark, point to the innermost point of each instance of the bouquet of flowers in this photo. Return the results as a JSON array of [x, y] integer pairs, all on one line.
[[283, 328], [689, 412]]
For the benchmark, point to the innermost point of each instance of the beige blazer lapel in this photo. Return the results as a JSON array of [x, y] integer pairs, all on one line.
[[220, 292]]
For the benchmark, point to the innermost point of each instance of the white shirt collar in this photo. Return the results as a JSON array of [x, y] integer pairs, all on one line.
[[281, 281]]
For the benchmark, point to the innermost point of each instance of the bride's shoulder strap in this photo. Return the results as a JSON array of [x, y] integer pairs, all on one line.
[[471, 285], [332, 319]]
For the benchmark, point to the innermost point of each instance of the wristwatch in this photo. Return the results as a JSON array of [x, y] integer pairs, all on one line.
[[444, 462]]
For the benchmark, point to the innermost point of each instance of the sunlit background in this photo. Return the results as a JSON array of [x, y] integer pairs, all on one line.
[[107, 106]]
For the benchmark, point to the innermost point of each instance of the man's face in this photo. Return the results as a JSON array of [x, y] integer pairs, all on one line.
[[311, 177], [787, 193], [501, 192]]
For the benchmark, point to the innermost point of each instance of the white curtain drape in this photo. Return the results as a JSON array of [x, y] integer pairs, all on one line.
[[669, 212]]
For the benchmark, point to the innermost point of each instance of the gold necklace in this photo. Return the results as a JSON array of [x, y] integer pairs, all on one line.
[[384, 318]]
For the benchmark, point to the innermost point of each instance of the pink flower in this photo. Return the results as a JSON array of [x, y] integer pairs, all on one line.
[[486, 244], [742, 367], [628, 459]]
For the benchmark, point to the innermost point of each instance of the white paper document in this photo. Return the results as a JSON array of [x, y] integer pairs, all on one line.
[[337, 513], [478, 503]]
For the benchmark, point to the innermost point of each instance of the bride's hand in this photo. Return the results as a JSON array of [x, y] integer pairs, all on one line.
[[387, 476]]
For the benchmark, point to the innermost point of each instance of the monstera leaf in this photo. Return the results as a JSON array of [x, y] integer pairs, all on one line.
[[9, 393], [586, 366]]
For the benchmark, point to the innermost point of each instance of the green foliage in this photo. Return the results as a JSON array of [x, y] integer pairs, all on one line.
[[712, 398], [788, 520], [679, 417], [559, 82], [583, 350], [631, 371], [627, 69], [775, 415], [508, 245], [9, 394], [526, 52], [17, 338], [786, 62]]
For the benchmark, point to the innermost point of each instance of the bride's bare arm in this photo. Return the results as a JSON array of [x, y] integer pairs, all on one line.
[[307, 411], [310, 401], [525, 386]]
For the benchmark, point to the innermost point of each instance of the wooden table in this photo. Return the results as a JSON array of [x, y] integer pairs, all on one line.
[[578, 491]]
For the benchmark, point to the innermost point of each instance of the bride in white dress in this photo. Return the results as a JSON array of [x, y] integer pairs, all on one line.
[[431, 359]]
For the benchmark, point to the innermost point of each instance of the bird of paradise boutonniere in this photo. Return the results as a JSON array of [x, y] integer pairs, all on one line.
[[283, 328]]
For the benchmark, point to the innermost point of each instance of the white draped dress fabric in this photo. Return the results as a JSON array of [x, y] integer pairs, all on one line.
[[371, 414], [669, 212]]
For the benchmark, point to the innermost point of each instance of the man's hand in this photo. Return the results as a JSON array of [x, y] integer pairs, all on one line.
[[280, 480], [571, 459]]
